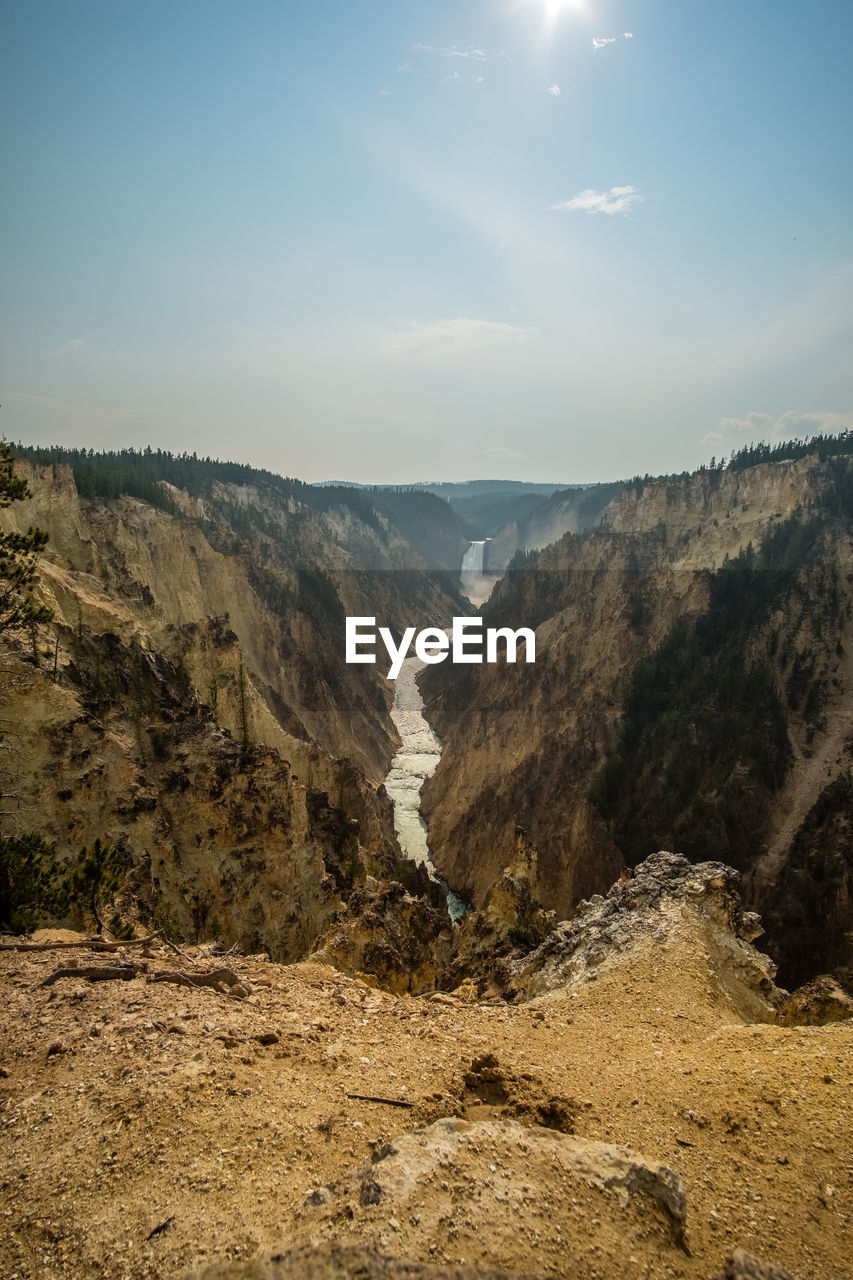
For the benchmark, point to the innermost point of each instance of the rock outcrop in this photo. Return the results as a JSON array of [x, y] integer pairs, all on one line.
[[448, 1177], [407, 941], [402, 939], [512, 921], [666, 902]]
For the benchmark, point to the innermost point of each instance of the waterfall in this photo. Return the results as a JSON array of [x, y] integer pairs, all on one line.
[[411, 766], [472, 561], [475, 582]]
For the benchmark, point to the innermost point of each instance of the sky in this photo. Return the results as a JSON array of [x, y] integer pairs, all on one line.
[[400, 240]]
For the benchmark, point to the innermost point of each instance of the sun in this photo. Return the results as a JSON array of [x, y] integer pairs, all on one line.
[[553, 10]]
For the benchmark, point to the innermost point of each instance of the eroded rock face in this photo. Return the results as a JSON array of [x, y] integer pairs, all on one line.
[[401, 938], [195, 709], [512, 921], [665, 897], [513, 950], [406, 939], [512, 908], [223, 841], [527, 745]]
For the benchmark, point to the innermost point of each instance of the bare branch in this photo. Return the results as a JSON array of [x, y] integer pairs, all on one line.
[[87, 944]]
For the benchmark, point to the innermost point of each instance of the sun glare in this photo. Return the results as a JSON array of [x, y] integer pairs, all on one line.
[[553, 10]]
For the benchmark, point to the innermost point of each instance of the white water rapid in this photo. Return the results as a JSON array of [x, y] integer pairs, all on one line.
[[411, 766]]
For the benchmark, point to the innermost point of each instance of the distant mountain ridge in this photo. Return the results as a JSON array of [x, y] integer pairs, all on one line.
[[485, 506], [453, 488]]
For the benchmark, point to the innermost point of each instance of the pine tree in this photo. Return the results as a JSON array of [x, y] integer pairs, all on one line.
[[32, 885], [19, 553], [97, 877]]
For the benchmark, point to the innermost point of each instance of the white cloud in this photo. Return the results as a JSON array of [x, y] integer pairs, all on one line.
[[403, 68], [498, 451], [554, 89], [385, 93], [477, 54], [73, 344], [464, 333], [601, 42], [784, 426], [616, 200]]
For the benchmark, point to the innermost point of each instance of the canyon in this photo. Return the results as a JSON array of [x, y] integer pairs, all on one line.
[[455, 975]]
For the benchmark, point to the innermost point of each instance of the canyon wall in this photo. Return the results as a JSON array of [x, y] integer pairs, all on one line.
[[191, 703], [736, 581]]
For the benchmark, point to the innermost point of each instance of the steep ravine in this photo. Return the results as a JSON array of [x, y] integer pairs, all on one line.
[[199, 714]]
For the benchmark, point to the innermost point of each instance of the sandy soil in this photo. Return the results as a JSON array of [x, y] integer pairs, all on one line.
[[129, 1105]]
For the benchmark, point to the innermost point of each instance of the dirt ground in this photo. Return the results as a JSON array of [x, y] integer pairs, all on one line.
[[148, 1129]]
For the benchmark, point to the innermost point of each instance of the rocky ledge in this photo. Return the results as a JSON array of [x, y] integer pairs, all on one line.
[[664, 900]]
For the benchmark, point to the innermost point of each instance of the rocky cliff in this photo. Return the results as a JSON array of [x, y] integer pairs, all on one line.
[[241, 577], [191, 703], [566, 511], [692, 688]]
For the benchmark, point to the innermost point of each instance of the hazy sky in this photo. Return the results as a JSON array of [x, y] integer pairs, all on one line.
[[427, 239]]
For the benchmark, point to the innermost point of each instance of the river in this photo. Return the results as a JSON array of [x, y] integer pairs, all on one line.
[[411, 766]]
